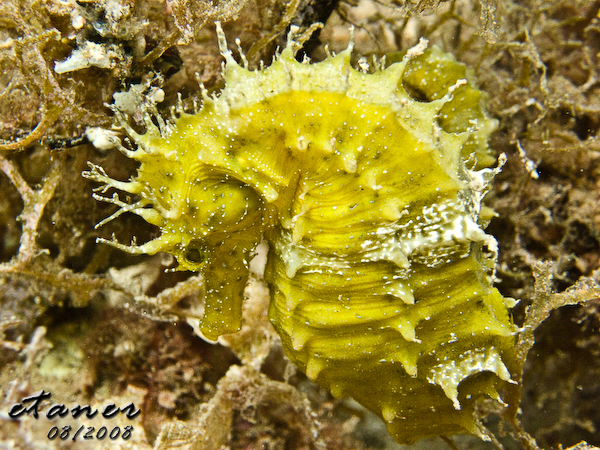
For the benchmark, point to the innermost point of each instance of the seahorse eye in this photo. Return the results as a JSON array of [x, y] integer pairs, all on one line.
[[194, 254]]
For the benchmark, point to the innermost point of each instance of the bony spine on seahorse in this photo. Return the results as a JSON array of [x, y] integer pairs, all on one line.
[[379, 269]]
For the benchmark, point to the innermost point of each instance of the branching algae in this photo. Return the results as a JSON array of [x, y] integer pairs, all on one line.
[[365, 187]]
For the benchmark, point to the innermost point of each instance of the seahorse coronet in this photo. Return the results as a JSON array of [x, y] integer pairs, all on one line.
[[368, 188]]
